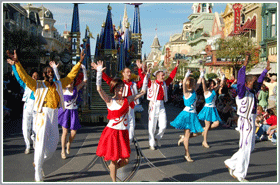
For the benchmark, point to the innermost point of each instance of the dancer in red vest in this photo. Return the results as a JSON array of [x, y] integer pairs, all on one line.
[[114, 142], [130, 88]]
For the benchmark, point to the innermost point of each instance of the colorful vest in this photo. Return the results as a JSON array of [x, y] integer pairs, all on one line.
[[41, 92], [153, 91], [245, 105], [133, 89], [117, 115]]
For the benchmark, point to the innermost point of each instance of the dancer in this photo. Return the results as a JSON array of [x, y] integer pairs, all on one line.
[[28, 114], [130, 88], [187, 120], [157, 94], [209, 112], [114, 141], [68, 118], [48, 97], [246, 101]]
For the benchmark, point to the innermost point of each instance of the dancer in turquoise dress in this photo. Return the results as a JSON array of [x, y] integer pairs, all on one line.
[[209, 112], [187, 120]]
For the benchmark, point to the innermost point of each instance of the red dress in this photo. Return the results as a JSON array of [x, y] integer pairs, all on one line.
[[114, 140]]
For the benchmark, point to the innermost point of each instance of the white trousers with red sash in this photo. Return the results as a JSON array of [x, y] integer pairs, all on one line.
[[47, 137], [156, 114], [239, 162]]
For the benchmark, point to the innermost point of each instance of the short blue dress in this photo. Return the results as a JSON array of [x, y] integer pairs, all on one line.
[[187, 119], [209, 111]]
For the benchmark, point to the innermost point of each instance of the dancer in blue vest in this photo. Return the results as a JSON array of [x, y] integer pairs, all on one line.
[[209, 112], [187, 120]]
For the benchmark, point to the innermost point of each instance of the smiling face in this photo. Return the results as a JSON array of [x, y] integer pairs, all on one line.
[[48, 74], [126, 74], [160, 76]]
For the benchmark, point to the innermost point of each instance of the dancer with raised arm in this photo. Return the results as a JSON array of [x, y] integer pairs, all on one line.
[[130, 88], [28, 113], [246, 101], [48, 98], [69, 118], [187, 120], [114, 142], [157, 94], [209, 112]]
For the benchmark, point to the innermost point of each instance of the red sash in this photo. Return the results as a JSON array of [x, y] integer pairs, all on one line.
[[113, 114]]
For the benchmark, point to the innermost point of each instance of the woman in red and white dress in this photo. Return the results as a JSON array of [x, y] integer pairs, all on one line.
[[114, 141]]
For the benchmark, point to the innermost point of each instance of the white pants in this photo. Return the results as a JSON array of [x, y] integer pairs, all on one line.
[[239, 162], [27, 122], [47, 137], [156, 113], [131, 123]]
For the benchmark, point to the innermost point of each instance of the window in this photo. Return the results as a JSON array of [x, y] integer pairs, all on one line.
[[273, 26]]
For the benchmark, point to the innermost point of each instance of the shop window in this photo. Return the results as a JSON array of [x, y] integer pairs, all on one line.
[[273, 26]]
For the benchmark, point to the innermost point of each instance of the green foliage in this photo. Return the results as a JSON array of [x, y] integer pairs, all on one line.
[[234, 48], [211, 75], [195, 74]]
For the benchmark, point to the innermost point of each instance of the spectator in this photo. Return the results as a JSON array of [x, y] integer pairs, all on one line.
[[263, 97], [272, 134], [230, 81], [267, 125], [271, 85]]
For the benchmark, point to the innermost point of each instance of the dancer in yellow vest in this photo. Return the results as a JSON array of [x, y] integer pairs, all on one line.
[[48, 98]]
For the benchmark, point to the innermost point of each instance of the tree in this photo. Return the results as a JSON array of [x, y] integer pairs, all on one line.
[[234, 48], [27, 46]]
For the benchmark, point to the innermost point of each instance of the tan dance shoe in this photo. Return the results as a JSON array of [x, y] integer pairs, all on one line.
[[188, 158], [63, 155], [181, 140], [205, 145]]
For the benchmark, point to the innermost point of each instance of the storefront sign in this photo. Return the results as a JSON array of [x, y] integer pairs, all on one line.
[[237, 11]]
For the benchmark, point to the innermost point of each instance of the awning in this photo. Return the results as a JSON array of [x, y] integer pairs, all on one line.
[[251, 25], [258, 68]]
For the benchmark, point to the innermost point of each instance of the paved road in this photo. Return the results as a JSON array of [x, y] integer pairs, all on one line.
[[163, 165]]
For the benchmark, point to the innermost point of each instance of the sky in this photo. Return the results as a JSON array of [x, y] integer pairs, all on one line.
[[167, 17]]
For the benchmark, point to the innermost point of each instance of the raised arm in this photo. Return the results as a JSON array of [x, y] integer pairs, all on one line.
[[55, 69], [221, 84], [101, 92], [28, 80], [202, 72], [144, 88], [262, 76], [172, 74], [185, 80], [105, 77], [21, 83], [241, 79], [85, 78], [73, 73], [140, 73]]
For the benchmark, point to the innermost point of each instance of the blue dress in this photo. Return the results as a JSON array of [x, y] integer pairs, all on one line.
[[187, 119], [209, 111]]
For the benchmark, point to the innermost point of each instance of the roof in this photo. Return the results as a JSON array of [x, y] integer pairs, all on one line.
[[155, 43]]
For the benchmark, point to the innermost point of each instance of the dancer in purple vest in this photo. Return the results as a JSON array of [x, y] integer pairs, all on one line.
[[68, 118], [246, 101]]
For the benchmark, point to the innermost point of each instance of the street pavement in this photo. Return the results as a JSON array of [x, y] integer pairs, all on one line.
[[165, 164]]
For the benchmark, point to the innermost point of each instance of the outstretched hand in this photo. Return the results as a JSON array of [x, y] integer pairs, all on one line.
[[268, 65], [139, 64], [11, 62], [246, 58], [82, 56], [99, 64], [13, 57], [177, 64], [53, 64]]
